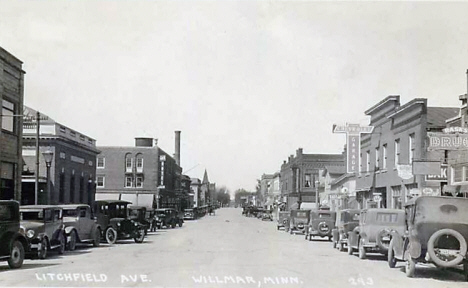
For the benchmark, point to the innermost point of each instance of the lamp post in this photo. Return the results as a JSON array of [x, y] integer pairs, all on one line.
[[48, 155], [297, 185], [317, 194]]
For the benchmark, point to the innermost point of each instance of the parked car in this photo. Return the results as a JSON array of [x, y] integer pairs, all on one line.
[[169, 217], [112, 216], [436, 232], [283, 220], [320, 224], [298, 220], [189, 214], [267, 216], [80, 225], [44, 229], [138, 214], [346, 221], [374, 231], [13, 244]]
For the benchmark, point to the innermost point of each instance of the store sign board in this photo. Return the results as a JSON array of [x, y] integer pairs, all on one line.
[[441, 177], [426, 167], [443, 141], [353, 143]]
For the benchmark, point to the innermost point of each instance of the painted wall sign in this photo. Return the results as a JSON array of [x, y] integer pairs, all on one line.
[[442, 177], [405, 171], [443, 141], [455, 130], [353, 143]]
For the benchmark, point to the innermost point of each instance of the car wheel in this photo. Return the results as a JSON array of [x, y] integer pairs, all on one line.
[[173, 224], [410, 267], [42, 252], [72, 243], [97, 238], [180, 223], [16, 255], [362, 250], [63, 243], [350, 249], [111, 235], [141, 236], [305, 236], [391, 255]]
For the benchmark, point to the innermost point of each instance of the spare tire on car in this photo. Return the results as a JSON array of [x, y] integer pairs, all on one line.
[[434, 252]]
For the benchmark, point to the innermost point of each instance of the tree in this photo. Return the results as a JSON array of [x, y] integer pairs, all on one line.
[[240, 193], [223, 196]]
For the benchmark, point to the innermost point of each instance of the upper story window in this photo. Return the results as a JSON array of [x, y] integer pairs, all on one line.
[[128, 164], [397, 151], [377, 158], [100, 181], [63, 129], [139, 164], [139, 182], [128, 182], [72, 133], [368, 161], [8, 119], [101, 162], [384, 156], [411, 148], [307, 180], [459, 173], [82, 138]]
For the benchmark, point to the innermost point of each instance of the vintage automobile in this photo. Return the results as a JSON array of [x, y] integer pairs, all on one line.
[[44, 229], [374, 231], [346, 221], [140, 215], [13, 244], [267, 216], [169, 217], [80, 225], [436, 232], [298, 220], [189, 214], [112, 216], [320, 224], [283, 220]]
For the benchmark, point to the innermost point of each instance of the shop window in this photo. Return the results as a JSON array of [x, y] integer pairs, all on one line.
[[8, 119]]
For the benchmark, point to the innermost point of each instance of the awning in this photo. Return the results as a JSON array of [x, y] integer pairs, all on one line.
[[455, 189], [363, 190], [107, 196]]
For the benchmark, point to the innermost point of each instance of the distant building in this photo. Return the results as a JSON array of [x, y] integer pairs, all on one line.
[[11, 97], [73, 166], [301, 173], [144, 175], [208, 190], [387, 154], [195, 186]]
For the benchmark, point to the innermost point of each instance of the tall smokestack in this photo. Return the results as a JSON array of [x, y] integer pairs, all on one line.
[[177, 147]]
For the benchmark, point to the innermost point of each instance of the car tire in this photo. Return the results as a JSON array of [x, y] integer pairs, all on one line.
[[63, 243], [42, 252], [362, 249], [141, 236], [350, 249], [16, 255], [73, 239], [173, 225], [181, 223], [305, 236], [391, 255], [410, 267], [97, 238], [110, 235], [329, 238], [432, 251]]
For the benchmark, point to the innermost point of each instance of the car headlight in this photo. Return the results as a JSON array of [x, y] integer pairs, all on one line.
[[135, 224], [118, 223], [30, 233]]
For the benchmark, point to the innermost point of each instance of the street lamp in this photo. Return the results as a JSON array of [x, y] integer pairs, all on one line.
[[297, 185], [48, 155]]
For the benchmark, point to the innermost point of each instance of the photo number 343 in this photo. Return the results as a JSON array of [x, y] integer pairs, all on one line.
[[361, 281]]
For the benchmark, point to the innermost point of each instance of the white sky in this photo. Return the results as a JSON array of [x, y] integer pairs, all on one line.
[[247, 83]]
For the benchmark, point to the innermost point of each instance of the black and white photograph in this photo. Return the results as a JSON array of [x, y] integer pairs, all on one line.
[[233, 143]]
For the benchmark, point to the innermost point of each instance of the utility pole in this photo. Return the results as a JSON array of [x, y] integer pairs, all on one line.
[[36, 185]]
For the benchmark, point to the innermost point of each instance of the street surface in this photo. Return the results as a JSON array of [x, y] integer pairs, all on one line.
[[226, 250]]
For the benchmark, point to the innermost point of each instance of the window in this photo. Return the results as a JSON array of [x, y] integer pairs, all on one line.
[[82, 138], [307, 180], [128, 164], [411, 148], [62, 187], [101, 162], [139, 165], [72, 188], [377, 158], [360, 163], [100, 181], [139, 182], [63, 155], [63, 129], [384, 156], [368, 161], [72, 133], [8, 119], [397, 151], [128, 182], [459, 174]]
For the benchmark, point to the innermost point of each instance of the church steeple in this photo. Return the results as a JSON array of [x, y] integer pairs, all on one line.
[[205, 178]]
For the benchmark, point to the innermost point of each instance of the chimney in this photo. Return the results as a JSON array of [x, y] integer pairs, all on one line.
[[177, 147]]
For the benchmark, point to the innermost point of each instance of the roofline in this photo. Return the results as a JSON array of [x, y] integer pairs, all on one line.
[[382, 102], [408, 105]]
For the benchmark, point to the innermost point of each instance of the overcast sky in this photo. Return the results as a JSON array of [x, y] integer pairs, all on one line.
[[247, 83]]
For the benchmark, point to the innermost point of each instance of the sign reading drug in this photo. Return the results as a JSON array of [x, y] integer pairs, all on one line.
[[353, 143], [442, 141]]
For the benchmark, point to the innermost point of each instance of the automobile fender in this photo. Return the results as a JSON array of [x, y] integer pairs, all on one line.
[[398, 244], [69, 229], [20, 237], [93, 230]]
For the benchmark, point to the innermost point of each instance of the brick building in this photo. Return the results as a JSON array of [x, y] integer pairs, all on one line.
[[73, 166], [11, 97], [144, 175], [301, 172], [387, 154]]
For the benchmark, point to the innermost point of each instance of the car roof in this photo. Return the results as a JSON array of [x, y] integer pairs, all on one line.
[[73, 206], [419, 199], [136, 207], [112, 202], [38, 207]]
